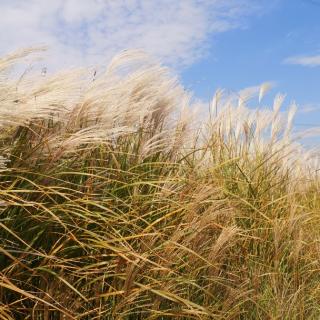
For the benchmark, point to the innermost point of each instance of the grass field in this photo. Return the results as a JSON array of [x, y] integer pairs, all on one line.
[[119, 201]]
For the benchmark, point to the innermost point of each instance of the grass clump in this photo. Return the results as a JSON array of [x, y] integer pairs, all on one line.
[[116, 203]]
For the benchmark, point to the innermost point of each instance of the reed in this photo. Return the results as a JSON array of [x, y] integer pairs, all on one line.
[[118, 201]]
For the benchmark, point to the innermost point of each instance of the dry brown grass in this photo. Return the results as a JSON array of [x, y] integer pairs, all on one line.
[[117, 203]]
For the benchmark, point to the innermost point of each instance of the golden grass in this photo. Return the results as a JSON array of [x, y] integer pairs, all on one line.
[[117, 202]]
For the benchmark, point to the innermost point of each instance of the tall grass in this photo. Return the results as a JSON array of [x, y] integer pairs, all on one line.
[[117, 202]]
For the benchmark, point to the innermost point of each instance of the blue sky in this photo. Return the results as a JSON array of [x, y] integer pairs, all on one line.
[[264, 51], [210, 44]]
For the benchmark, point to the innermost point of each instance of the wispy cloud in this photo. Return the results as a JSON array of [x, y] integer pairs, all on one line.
[[91, 31], [307, 61], [308, 108]]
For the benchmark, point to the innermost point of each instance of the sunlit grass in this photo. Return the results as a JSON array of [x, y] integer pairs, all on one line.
[[117, 202]]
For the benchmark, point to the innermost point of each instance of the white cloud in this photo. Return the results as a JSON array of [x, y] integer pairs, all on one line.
[[91, 31], [308, 108], [307, 61]]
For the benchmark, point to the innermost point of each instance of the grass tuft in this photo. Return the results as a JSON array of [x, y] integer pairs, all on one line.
[[117, 202]]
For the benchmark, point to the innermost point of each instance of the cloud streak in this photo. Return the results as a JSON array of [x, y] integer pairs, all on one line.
[[309, 108], [92, 31], [306, 61]]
